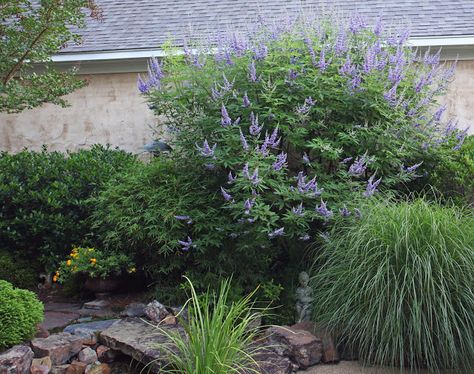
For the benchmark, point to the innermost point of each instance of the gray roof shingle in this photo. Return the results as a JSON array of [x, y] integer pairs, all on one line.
[[143, 24]]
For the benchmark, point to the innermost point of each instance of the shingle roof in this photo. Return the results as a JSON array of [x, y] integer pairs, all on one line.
[[142, 24]]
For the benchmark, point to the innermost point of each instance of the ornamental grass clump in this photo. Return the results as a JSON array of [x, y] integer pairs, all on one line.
[[219, 335], [398, 286]]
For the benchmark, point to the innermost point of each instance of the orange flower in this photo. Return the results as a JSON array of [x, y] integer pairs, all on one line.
[[55, 278], [93, 261]]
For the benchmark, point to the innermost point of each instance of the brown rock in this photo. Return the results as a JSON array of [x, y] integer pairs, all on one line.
[[16, 360], [89, 337], [302, 347], [170, 320], [41, 365], [59, 347], [60, 369], [330, 353], [76, 367], [105, 354], [87, 355], [98, 369], [41, 332]]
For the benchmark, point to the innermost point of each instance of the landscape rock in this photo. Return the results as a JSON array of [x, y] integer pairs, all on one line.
[[96, 326], [59, 347], [16, 360], [269, 362], [156, 312], [138, 339], [89, 337], [134, 310], [302, 347], [41, 365], [41, 332], [60, 369], [105, 354], [87, 355], [330, 352], [76, 367], [98, 369], [96, 305]]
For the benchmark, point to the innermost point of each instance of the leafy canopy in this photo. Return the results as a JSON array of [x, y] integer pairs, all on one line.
[[30, 33]]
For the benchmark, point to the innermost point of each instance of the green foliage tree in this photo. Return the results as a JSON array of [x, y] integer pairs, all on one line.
[[275, 133], [30, 33]]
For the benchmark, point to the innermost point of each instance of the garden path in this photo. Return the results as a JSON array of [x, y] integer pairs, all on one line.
[[353, 367]]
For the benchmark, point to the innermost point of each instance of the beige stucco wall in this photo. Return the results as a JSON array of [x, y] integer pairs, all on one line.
[[110, 110]]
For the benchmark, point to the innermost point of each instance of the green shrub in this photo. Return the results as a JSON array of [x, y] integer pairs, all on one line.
[[219, 335], [19, 272], [454, 174], [343, 110], [44, 203], [20, 312], [398, 285]]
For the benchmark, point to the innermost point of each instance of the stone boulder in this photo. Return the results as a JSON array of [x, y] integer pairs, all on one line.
[[139, 340], [16, 360], [134, 310], [87, 355], [301, 347], [269, 362], [156, 312], [330, 352], [59, 347], [96, 326], [41, 365]]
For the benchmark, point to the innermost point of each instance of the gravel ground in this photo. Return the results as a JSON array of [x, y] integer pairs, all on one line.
[[351, 367]]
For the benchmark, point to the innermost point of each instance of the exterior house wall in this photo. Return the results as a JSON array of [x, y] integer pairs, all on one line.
[[110, 110]]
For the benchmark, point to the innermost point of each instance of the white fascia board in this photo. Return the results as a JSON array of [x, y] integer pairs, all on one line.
[[445, 41], [442, 41]]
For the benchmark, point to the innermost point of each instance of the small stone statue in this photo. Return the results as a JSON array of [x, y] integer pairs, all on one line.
[[304, 298]]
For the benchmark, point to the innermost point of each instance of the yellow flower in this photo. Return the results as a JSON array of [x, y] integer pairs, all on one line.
[[93, 261], [132, 270], [68, 263], [90, 249]]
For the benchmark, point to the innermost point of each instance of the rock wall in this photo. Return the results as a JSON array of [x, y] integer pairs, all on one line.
[[110, 110]]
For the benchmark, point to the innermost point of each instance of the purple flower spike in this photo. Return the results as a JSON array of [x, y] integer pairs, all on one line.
[[186, 245], [344, 211], [346, 160], [141, 85], [184, 218], [306, 159], [273, 141], [357, 23], [248, 205], [245, 145], [254, 128], [378, 28], [340, 46], [371, 186], [323, 63], [245, 170], [298, 210], [280, 162], [357, 213], [264, 148], [225, 119], [359, 165], [412, 169], [246, 101], [305, 237], [347, 68], [292, 75], [391, 95], [227, 196], [230, 178], [277, 232], [205, 150], [323, 210], [252, 72], [254, 177], [439, 113]]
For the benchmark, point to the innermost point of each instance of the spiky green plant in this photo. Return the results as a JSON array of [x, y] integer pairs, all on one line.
[[398, 285], [219, 335]]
